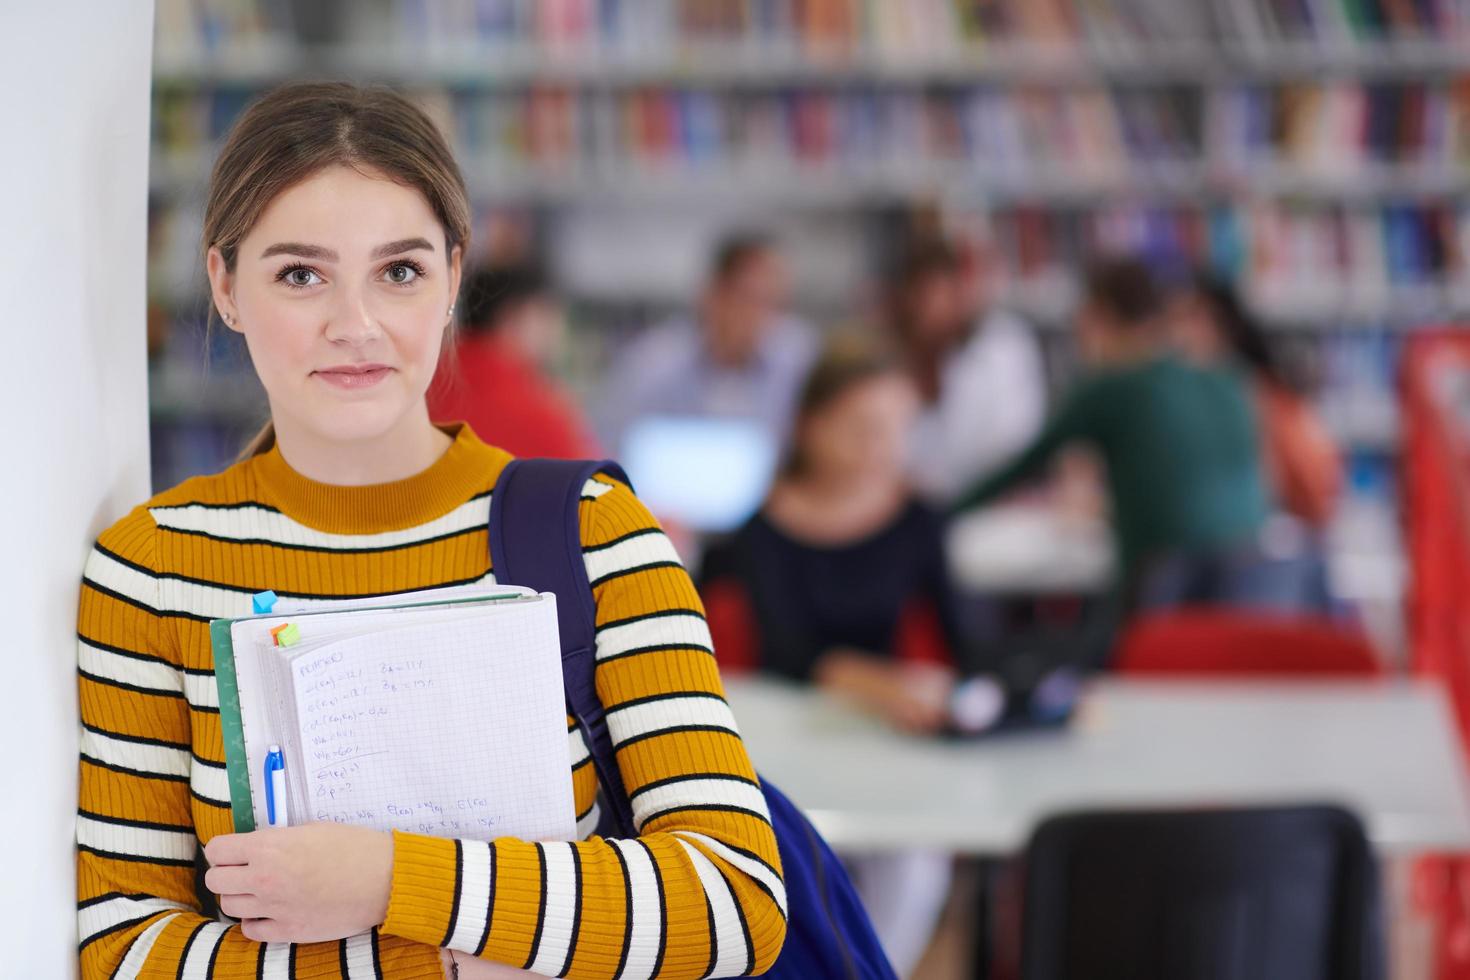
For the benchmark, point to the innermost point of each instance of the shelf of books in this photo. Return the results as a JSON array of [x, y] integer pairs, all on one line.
[[1317, 151]]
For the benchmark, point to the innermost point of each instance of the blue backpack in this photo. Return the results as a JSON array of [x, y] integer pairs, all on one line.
[[535, 541]]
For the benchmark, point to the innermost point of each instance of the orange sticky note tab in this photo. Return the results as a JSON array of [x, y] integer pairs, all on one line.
[[287, 634]]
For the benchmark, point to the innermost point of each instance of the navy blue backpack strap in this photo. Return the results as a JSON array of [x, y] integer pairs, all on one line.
[[828, 935], [541, 548]]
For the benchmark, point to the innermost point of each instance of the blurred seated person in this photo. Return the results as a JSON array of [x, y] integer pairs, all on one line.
[[842, 570], [1212, 326], [495, 377], [840, 580], [969, 360], [741, 357], [1179, 445]]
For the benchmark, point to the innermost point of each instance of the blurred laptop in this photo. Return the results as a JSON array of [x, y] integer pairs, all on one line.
[[707, 474]]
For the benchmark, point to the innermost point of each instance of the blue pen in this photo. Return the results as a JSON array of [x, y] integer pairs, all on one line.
[[275, 788]]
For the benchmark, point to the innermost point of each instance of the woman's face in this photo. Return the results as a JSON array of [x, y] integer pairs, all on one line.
[[342, 291], [864, 432]]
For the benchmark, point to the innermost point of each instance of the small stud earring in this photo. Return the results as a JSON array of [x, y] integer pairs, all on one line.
[[451, 311]]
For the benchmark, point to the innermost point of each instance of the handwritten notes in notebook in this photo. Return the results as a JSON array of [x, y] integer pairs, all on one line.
[[452, 724]]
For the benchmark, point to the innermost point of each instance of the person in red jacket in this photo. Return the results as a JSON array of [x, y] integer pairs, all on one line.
[[495, 378]]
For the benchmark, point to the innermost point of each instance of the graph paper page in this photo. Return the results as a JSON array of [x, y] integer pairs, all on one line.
[[449, 725], [258, 661]]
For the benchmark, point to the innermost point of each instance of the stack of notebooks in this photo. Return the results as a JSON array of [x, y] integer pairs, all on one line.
[[438, 712]]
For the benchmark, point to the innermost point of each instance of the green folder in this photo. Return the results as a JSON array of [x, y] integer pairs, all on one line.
[[236, 768]]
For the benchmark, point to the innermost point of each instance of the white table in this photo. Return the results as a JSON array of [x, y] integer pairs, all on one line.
[[1035, 548], [1029, 548], [1385, 749]]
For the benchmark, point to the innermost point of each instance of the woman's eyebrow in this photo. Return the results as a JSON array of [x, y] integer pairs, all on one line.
[[402, 245], [300, 250], [328, 255]]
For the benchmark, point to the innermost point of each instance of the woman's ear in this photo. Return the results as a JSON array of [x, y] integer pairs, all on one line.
[[456, 269], [221, 287]]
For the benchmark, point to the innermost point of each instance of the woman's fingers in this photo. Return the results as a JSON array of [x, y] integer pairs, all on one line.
[[241, 906], [229, 879], [265, 931], [228, 849]]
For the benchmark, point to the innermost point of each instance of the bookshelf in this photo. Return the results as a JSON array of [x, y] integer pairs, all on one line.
[[1317, 150]]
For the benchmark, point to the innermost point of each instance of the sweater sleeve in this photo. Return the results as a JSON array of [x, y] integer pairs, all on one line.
[[1076, 419], [699, 892], [137, 911]]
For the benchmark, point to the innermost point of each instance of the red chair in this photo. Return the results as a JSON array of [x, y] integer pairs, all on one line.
[[1234, 643], [732, 626]]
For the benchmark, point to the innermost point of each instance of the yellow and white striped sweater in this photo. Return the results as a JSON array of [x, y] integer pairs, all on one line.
[[698, 894]]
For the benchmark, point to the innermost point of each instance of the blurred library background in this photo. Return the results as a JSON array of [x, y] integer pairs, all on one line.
[[1313, 152]]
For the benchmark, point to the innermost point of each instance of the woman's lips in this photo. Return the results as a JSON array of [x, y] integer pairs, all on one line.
[[354, 376]]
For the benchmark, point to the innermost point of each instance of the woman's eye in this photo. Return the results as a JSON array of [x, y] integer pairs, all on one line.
[[401, 273], [301, 277]]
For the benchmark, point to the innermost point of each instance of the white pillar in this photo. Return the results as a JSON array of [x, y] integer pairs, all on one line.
[[74, 405]]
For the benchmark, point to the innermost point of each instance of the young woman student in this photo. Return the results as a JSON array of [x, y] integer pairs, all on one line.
[[335, 228]]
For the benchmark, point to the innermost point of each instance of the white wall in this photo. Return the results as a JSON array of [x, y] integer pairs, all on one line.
[[73, 397]]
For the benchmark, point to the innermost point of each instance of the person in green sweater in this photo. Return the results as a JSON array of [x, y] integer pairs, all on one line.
[[1180, 445]]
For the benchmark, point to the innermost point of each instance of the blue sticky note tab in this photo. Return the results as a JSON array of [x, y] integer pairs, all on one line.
[[263, 602]]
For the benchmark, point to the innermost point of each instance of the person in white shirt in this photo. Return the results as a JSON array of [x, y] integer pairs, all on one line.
[[979, 371]]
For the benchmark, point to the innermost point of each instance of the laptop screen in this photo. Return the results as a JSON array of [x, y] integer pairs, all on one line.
[[709, 474]]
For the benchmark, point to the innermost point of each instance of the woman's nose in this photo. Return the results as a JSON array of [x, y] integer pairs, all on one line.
[[352, 322]]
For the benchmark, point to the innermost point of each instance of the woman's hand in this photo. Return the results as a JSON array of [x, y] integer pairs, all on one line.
[[918, 700], [314, 883], [912, 697]]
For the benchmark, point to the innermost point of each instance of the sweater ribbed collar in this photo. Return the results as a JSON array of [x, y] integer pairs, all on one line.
[[466, 468]]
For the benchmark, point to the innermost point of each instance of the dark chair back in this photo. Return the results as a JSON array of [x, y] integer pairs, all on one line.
[[1258, 894]]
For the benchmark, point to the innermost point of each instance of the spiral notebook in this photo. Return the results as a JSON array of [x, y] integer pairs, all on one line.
[[438, 712]]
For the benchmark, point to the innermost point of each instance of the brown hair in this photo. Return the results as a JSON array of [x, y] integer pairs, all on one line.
[[846, 362], [294, 131], [923, 258], [1125, 289], [734, 253]]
